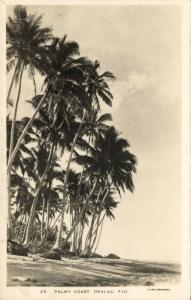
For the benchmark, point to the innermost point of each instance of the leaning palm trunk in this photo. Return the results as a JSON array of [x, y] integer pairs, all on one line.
[[76, 234], [10, 163], [59, 235], [101, 223], [89, 234], [91, 244], [95, 235], [11, 233], [55, 221], [11, 84], [13, 154], [95, 227], [15, 114], [10, 87], [33, 208], [77, 220], [10, 229]]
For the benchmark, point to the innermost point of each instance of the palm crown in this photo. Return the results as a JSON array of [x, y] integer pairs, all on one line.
[[110, 157], [25, 40], [67, 117]]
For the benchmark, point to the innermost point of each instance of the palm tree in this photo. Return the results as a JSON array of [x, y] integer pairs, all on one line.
[[67, 117], [25, 39], [20, 159], [105, 209], [111, 162], [54, 123], [68, 68], [68, 76], [111, 159], [98, 88], [50, 195]]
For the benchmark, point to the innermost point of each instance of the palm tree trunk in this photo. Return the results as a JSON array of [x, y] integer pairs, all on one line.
[[78, 195], [15, 114], [42, 222], [11, 84], [99, 234], [76, 212], [25, 230], [20, 226], [79, 249], [72, 237], [76, 233], [34, 83], [33, 208], [52, 225], [13, 154], [11, 233], [91, 244], [89, 234], [81, 213], [47, 217], [79, 227], [59, 235], [99, 224], [10, 229], [95, 235]]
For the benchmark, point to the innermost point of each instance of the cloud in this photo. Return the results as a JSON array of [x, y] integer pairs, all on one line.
[[139, 81], [135, 84]]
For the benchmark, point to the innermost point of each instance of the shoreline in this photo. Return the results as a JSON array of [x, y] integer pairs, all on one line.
[[88, 272]]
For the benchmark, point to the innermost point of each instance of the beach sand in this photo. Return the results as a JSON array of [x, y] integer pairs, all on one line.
[[35, 271]]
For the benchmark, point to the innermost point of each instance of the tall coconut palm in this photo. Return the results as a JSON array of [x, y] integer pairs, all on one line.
[[111, 161], [25, 39], [81, 131], [79, 102], [65, 75], [19, 162], [52, 122], [110, 158], [69, 76], [98, 87], [50, 197], [105, 209], [105, 118]]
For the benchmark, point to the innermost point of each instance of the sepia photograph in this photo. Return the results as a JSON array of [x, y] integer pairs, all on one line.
[[94, 125]]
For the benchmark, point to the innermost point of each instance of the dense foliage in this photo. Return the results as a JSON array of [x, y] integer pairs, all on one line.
[[65, 162]]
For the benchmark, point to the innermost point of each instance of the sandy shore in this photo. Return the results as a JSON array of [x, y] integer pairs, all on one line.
[[34, 271]]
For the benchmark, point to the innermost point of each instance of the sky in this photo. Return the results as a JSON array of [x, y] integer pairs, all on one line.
[[141, 45]]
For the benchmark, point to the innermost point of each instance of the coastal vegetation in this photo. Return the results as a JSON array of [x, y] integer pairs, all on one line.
[[67, 161]]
